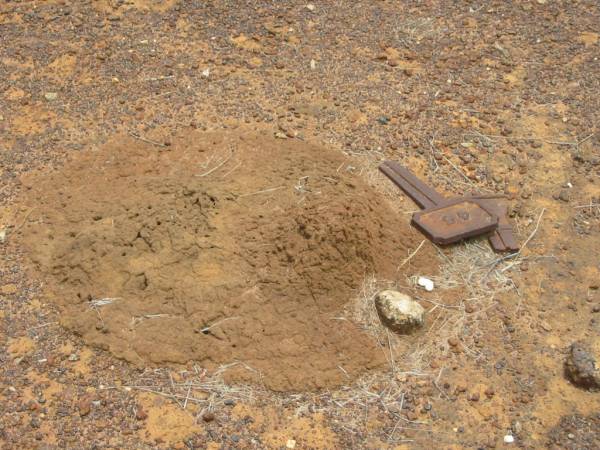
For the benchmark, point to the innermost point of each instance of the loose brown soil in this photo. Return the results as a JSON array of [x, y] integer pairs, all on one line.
[[219, 248]]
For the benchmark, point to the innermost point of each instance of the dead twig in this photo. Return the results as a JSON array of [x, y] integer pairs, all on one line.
[[166, 77], [217, 166], [264, 191], [24, 219], [147, 141], [411, 255], [537, 225]]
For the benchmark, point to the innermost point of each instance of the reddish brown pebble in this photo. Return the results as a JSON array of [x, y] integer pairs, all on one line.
[[140, 414], [85, 406], [474, 397], [33, 406], [453, 341], [208, 417]]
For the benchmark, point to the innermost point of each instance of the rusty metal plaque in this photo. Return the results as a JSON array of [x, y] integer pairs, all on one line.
[[431, 220], [454, 221], [502, 239], [422, 194]]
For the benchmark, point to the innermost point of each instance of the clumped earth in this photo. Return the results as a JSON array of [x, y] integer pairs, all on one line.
[[498, 97], [217, 248]]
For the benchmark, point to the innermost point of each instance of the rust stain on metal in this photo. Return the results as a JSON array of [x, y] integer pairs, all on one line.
[[454, 221]]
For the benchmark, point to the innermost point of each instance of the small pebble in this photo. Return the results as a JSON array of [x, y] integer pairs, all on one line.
[[140, 414], [564, 195], [509, 439], [425, 283]]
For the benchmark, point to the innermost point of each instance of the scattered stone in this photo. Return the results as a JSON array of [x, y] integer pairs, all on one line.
[[398, 311], [581, 365], [50, 96], [73, 357], [564, 195], [509, 439], [383, 120], [545, 326], [291, 443], [85, 406], [310, 7], [453, 341], [2, 234], [425, 283], [140, 414], [474, 397], [208, 417]]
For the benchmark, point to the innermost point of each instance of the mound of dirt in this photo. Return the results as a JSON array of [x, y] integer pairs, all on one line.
[[217, 249]]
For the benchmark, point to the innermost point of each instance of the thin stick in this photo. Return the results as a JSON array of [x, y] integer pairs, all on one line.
[[168, 77], [441, 304], [173, 389], [435, 383], [591, 205], [262, 192], [187, 396], [42, 325], [393, 366], [537, 225], [458, 170], [147, 141], [391, 435], [411, 255], [585, 139], [235, 167], [218, 322], [24, 219], [217, 166]]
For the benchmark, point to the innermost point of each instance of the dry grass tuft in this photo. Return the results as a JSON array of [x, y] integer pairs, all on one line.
[[209, 390]]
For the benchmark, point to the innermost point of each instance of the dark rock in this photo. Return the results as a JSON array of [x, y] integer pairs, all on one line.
[[564, 195], [581, 366]]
